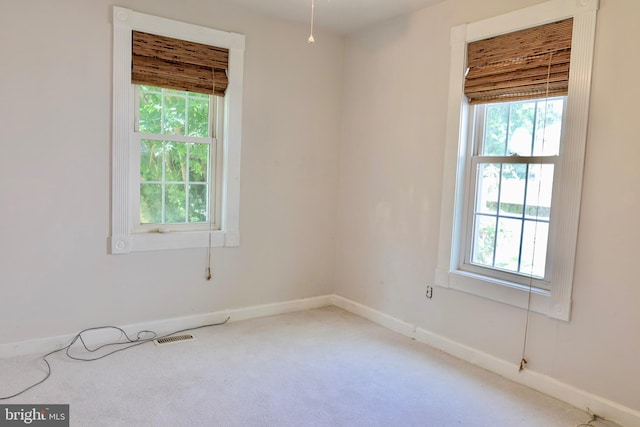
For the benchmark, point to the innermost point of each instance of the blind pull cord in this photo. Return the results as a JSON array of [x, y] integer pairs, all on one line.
[[524, 361]]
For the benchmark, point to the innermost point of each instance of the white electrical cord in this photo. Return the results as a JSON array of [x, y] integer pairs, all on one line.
[[128, 343], [596, 418]]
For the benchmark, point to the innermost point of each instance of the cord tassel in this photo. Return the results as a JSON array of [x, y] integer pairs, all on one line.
[[522, 363]]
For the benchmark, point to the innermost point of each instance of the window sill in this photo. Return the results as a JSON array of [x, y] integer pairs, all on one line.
[[504, 292], [172, 240]]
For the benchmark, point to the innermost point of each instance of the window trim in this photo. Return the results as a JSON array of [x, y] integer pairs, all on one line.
[[555, 303], [123, 239]]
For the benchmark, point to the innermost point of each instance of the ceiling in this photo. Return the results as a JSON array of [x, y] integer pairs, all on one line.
[[342, 16]]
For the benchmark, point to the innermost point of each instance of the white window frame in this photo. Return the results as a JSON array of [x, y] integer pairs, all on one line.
[[555, 302], [476, 138], [124, 238], [216, 121]]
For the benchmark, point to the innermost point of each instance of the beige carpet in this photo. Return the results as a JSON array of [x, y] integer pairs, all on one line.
[[321, 367]]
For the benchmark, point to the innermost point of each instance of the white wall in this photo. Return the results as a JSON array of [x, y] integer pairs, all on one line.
[[396, 82], [55, 83]]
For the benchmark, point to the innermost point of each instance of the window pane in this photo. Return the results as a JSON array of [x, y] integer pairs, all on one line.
[[150, 203], [150, 110], [174, 112], [176, 171], [508, 244], [521, 119], [548, 127], [167, 111], [512, 188], [198, 162], [198, 122], [512, 199], [539, 191], [198, 203], [488, 188], [534, 248], [175, 203], [175, 161], [484, 240], [495, 137], [174, 176], [150, 160]]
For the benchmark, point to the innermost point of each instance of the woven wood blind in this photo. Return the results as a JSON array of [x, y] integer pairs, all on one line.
[[524, 64], [178, 64]]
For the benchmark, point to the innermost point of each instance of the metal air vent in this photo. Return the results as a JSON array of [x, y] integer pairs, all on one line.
[[174, 339]]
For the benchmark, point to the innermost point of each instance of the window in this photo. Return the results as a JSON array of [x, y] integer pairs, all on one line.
[[516, 136], [513, 156], [177, 117], [177, 156]]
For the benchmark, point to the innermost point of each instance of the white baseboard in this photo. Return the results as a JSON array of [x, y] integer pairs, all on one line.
[[545, 384], [164, 326], [537, 381]]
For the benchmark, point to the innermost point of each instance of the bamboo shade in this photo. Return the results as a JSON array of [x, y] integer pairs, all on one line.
[[531, 63], [178, 64]]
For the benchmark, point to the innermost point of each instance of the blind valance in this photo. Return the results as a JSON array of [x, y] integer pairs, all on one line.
[[524, 64], [178, 64]]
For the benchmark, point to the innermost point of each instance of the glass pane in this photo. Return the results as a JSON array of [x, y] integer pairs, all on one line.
[[199, 95], [484, 233], [174, 112], [150, 160], [198, 203], [508, 244], [150, 110], [495, 137], [534, 248], [150, 203], [521, 119], [198, 122], [514, 177], [539, 191], [198, 162], [175, 203], [175, 161], [174, 92], [548, 127], [488, 188]]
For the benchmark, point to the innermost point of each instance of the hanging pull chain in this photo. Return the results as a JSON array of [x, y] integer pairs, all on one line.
[[312, 40]]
